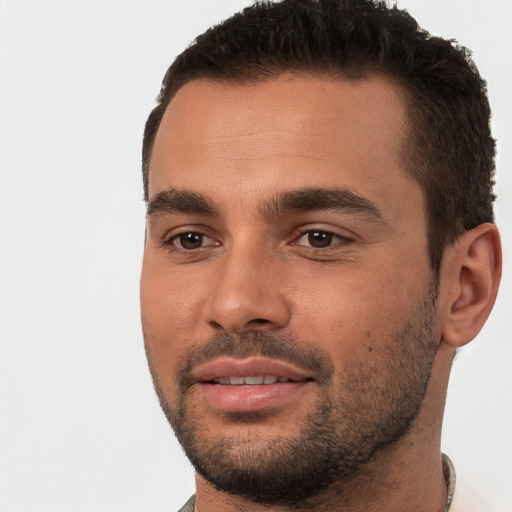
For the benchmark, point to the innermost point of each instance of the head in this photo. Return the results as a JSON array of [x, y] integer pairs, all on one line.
[[318, 178]]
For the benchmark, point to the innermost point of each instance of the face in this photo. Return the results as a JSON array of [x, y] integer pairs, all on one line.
[[288, 306]]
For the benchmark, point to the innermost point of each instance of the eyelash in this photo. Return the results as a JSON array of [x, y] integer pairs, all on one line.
[[330, 236], [170, 241]]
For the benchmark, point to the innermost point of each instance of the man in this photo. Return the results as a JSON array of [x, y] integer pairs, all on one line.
[[320, 241]]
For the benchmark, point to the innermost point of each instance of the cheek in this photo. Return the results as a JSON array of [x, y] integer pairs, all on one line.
[[169, 300], [169, 313], [349, 312]]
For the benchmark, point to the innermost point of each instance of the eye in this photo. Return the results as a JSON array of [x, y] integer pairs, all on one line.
[[191, 240], [319, 239]]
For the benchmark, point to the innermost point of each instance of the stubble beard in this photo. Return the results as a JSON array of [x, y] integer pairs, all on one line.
[[347, 427]]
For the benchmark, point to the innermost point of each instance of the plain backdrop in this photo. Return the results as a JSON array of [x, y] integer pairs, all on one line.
[[80, 426]]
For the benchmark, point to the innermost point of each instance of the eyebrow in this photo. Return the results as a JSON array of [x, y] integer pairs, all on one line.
[[180, 201], [318, 199], [303, 199]]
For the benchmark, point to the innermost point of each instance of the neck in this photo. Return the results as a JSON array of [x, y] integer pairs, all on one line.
[[406, 475]]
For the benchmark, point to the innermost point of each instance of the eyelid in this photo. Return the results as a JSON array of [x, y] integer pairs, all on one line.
[[174, 239], [342, 237], [171, 236]]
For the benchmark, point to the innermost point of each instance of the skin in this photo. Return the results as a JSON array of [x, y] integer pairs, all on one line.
[[241, 146]]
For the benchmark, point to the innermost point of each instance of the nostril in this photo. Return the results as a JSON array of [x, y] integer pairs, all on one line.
[[259, 321], [215, 325], [236, 328]]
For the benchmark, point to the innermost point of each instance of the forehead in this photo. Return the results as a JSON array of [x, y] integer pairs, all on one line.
[[288, 131]]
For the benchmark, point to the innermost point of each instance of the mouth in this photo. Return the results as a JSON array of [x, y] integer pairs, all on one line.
[[250, 381], [251, 371], [242, 385]]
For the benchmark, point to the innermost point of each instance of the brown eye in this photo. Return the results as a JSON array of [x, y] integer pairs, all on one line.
[[190, 241], [320, 239]]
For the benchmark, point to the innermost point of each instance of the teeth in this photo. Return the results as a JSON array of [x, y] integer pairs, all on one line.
[[250, 381], [254, 380]]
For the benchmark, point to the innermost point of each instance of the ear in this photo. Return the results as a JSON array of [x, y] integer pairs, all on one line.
[[469, 279]]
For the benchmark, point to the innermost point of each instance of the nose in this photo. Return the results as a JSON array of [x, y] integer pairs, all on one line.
[[248, 293]]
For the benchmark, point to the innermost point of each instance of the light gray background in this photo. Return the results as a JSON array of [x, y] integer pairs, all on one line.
[[80, 427]]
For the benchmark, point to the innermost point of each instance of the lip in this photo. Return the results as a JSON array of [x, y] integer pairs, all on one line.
[[248, 398], [251, 366]]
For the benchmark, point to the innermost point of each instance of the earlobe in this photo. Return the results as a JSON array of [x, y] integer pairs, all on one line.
[[469, 277]]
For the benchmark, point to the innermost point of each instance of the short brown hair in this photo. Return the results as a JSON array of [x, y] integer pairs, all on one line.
[[449, 148]]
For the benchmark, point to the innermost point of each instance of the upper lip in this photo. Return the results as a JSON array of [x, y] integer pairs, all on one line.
[[251, 366]]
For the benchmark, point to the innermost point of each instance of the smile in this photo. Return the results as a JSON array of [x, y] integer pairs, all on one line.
[[251, 384], [251, 371], [250, 381]]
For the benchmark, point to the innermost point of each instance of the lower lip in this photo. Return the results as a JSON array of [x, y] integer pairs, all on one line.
[[250, 398]]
